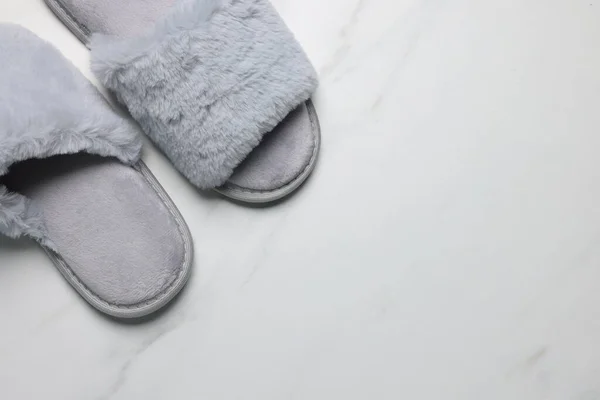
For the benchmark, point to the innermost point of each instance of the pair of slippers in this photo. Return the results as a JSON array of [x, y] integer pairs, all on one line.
[[220, 86]]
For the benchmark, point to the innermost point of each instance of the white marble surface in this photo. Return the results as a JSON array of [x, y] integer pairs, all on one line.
[[447, 246]]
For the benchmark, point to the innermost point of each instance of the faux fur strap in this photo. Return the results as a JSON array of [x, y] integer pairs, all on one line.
[[208, 81], [47, 107]]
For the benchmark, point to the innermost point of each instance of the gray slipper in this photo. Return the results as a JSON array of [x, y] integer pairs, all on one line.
[[71, 178], [207, 80]]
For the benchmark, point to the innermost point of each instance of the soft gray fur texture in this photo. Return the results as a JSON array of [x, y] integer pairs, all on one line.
[[208, 81], [47, 107], [19, 216]]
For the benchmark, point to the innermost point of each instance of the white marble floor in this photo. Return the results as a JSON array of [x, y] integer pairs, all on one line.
[[447, 246]]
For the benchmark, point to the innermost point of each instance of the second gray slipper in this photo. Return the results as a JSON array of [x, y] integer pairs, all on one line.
[[71, 179], [221, 86]]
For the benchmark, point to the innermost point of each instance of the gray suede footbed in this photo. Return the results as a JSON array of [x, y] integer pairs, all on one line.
[[71, 179], [281, 160]]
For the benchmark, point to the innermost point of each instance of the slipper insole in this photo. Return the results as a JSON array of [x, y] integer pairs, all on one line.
[[120, 242], [276, 167]]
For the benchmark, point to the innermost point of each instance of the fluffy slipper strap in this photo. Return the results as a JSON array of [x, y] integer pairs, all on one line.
[[208, 81], [47, 107]]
